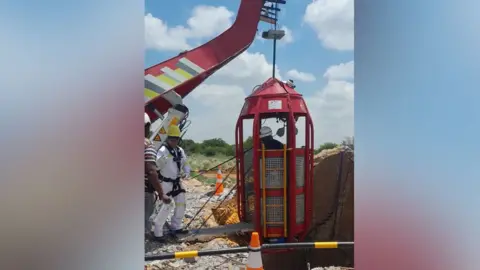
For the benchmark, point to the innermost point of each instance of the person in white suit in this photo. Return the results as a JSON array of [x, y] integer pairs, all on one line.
[[171, 160]]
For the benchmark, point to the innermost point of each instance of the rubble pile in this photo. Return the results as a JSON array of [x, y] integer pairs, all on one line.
[[227, 213]]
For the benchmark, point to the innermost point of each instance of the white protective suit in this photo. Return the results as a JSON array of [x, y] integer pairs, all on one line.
[[168, 168]]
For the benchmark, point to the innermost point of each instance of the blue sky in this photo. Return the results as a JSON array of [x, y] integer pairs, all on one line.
[[291, 56], [306, 53]]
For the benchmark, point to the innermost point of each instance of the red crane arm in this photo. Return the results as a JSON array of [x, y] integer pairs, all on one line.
[[186, 71]]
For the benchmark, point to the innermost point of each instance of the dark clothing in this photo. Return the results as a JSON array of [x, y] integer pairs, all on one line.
[[272, 144], [150, 154]]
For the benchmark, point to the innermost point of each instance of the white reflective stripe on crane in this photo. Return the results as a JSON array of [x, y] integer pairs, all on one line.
[[160, 88], [155, 84], [189, 66], [173, 75]]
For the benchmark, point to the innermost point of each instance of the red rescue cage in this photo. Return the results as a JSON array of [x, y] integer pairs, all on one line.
[[275, 186]]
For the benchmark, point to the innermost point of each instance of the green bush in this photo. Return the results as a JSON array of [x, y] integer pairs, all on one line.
[[327, 145], [206, 164], [211, 148], [209, 152], [221, 150]]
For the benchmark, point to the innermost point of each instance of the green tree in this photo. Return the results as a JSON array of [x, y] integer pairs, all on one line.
[[217, 142], [248, 143], [209, 151], [230, 150], [213, 147], [190, 146]]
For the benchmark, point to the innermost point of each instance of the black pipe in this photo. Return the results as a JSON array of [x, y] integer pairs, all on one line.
[[200, 253]]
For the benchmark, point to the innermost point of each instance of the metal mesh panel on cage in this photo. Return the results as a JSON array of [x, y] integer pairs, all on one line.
[[300, 208], [300, 171], [249, 186], [274, 172], [274, 208]]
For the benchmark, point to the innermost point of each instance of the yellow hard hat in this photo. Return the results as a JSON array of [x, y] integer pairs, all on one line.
[[173, 131]]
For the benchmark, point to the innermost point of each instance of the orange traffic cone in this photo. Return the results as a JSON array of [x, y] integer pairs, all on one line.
[[219, 183], [254, 255]]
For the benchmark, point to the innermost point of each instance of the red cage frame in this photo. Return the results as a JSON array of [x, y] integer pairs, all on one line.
[[256, 108]]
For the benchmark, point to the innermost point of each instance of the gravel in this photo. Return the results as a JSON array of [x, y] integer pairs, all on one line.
[[197, 195]]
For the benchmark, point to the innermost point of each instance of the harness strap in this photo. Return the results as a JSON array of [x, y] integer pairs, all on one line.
[[177, 158], [177, 155], [176, 189]]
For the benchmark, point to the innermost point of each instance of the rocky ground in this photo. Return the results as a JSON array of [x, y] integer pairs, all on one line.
[[198, 194]]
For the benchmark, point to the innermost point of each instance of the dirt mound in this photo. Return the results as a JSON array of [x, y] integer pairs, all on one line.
[[333, 202], [332, 216], [333, 206]]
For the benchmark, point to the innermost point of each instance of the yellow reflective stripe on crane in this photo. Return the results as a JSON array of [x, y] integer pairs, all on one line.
[[172, 82], [183, 73], [149, 93], [167, 80]]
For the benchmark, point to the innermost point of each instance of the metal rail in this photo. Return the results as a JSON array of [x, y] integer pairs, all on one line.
[[214, 252]]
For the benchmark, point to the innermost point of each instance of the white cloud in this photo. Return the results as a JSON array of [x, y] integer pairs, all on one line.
[[216, 104], [247, 70], [331, 108], [301, 76], [205, 21], [333, 21], [159, 36], [288, 38], [343, 71], [214, 109]]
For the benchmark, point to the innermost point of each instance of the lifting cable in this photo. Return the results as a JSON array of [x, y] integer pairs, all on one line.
[[210, 197], [215, 191], [206, 219], [221, 202], [220, 164]]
